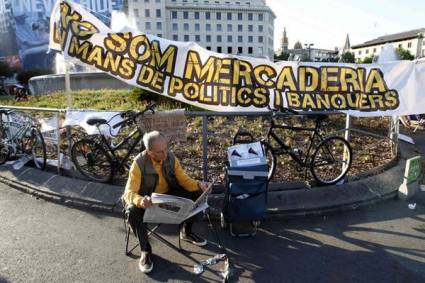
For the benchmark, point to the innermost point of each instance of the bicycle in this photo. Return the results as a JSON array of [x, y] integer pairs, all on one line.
[[20, 136], [328, 158], [97, 158]]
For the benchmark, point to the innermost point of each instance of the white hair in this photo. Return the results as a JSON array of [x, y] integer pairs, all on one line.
[[150, 138]]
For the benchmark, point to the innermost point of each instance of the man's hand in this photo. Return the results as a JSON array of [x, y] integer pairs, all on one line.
[[145, 202], [203, 185]]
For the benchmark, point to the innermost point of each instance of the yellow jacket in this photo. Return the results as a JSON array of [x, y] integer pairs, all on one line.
[[131, 193]]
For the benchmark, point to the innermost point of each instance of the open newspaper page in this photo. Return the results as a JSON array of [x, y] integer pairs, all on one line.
[[170, 209]]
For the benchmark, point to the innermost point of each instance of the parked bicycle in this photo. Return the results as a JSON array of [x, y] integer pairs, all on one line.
[[328, 157], [98, 159], [20, 136]]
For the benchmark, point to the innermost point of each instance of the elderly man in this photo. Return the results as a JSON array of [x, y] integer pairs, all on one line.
[[157, 170]]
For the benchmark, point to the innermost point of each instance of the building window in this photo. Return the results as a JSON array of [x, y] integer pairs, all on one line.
[[240, 50], [158, 13], [148, 25], [136, 12], [240, 38], [367, 51], [197, 38], [208, 38], [249, 16], [240, 27], [146, 1], [260, 39], [186, 37], [374, 50], [208, 27], [185, 15], [260, 17], [423, 53], [196, 15], [360, 52], [250, 38], [157, 1], [218, 27], [159, 25], [174, 14], [423, 42], [219, 49], [409, 44], [229, 38], [249, 49], [197, 27], [229, 49], [207, 15], [218, 16], [186, 27], [260, 28], [175, 26], [250, 28], [159, 34], [240, 16], [229, 27], [208, 47], [399, 46], [218, 38], [260, 50], [147, 13], [175, 37], [229, 16]]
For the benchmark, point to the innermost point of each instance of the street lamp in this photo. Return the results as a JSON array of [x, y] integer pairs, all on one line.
[[308, 46]]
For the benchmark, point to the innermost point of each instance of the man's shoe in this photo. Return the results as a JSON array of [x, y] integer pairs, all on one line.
[[145, 263], [193, 238]]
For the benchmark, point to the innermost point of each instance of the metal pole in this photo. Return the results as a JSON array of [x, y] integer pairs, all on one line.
[[68, 86], [205, 147], [394, 133], [58, 139], [347, 136], [68, 104]]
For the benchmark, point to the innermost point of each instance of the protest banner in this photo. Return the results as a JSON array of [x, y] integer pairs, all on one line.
[[221, 82]]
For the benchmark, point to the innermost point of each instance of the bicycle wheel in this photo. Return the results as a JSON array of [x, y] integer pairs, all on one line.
[[34, 146], [331, 160], [92, 160], [4, 148], [271, 160]]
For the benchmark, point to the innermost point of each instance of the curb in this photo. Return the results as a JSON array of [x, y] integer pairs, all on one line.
[[284, 201]]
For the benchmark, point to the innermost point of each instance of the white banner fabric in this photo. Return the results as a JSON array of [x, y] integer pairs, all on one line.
[[221, 82]]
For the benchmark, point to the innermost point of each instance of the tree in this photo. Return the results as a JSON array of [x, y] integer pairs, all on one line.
[[369, 59], [283, 56], [5, 70], [348, 57], [404, 54], [24, 76]]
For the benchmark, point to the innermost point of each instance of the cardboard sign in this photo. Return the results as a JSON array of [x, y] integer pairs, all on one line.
[[172, 124]]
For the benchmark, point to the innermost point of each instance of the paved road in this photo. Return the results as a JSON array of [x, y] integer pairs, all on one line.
[[46, 242]]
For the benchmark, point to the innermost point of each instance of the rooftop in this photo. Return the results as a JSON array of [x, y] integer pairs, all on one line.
[[392, 37]]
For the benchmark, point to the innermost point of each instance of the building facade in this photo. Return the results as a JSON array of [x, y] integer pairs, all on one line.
[[224, 26], [410, 40]]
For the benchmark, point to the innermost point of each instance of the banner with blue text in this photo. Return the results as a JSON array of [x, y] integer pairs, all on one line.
[[186, 72]]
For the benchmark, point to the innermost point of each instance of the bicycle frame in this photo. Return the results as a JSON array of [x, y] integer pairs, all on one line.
[[120, 162], [12, 139], [286, 149]]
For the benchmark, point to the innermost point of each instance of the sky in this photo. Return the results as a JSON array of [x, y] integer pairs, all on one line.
[[325, 23]]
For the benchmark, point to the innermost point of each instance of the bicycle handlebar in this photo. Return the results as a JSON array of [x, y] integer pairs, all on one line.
[[133, 115]]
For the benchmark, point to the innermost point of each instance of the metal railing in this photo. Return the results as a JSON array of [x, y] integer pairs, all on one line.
[[205, 133]]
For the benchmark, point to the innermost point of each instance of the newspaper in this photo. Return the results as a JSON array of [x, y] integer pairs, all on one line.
[[170, 209]]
